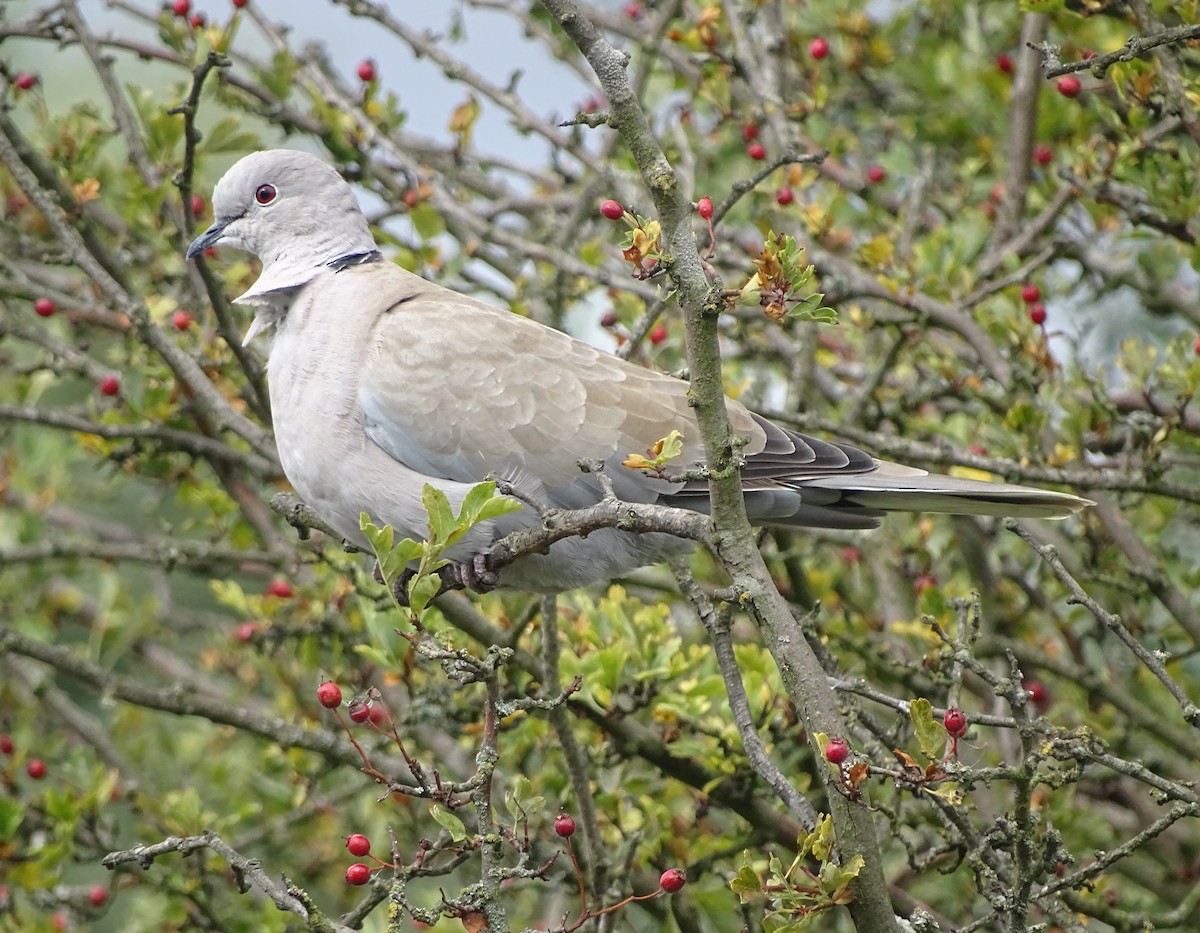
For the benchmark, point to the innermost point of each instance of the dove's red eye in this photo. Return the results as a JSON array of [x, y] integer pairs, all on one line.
[[265, 194]]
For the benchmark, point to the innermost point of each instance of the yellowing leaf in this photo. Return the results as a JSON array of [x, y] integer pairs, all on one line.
[[87, 190], [660, 453], [462, 120], [931, 735], [971, 473], [878, 251]]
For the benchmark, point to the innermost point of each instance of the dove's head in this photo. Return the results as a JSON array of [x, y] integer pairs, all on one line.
[[291, 210]]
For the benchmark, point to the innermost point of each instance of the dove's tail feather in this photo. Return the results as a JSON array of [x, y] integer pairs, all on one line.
[[859, 501], [895, 488]]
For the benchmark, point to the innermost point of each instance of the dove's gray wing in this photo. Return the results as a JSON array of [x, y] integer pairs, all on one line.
[[457, 389]]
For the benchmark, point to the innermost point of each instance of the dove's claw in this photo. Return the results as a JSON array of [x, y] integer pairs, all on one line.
[[473, 574]]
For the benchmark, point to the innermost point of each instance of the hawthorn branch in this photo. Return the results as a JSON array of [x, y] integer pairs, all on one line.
[[1098, 65], [122, 113], [578, 768], [1023, 127], [168, 553], [170, 438], [259, 397], [717, 623], [248, 871]]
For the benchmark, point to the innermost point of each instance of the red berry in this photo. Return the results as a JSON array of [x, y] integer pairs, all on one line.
[[35, 768], [329, 695], [784, 196], [358, 844], [1069, 86], [819, 48], [564, 825], [240, 3], [955, 722], [59, 921], [1196, 346], [181, 7], [24, 80], [210, 252], [875, 174], [924, 582], [181, 320], [672, 880], [197, 205], [704, 207], [359, 710], [1043, 155], [608, 319], [109, 385], [246, 631], [996, 195], [280, 588], [358, 873], [1039, 693], [98, 896], [366, 70], [1005, 63], [377, 713], [612, 209], [1037, 313], [1030, 293], [659, 334], [756, 151], [749, 132], [44, 307], [836, 750], [634, 10], [197, 21], [6, 743]]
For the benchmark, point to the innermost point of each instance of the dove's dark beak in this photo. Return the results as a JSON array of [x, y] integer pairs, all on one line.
[[209, 237]]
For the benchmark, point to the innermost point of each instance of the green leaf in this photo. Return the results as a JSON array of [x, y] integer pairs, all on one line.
[[396, 561], [448, 821], [427, 221], [746, 883], [497, 506], [11, 814], [832, 877], [474, 501], [441, 518], [380, 539], [819, 843], [60, 805], [375, 655], [811, 309], [931, 734], [421, 589], [480, 504]]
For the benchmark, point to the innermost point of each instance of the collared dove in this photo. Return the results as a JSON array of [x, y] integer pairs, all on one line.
[[382, 382]]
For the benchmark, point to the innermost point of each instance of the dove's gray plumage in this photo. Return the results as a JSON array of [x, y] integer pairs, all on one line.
[[381, 382]]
